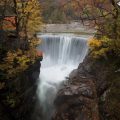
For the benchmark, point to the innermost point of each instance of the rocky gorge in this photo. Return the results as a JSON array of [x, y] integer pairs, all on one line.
[[78, 100], [88, 93]]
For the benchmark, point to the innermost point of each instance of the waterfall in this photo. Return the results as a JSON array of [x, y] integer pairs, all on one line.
[[61, 54]]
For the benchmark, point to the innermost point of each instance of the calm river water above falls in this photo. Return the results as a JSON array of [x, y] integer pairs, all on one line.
[[62, 54]]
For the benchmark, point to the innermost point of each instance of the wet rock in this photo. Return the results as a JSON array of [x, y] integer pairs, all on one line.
[[84, 98], [78, 99]]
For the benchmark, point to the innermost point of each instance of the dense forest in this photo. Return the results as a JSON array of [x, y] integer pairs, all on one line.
[[59, 11], [21, 20]]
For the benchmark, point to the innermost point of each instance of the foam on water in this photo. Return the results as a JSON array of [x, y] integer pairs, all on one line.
[[62, 54]]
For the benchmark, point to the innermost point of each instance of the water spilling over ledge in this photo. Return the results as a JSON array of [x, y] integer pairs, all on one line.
[[62, 54]]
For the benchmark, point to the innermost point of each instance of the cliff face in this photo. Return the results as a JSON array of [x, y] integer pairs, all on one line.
[[78, 99], [28, 92], [25, 99], [85, 97]]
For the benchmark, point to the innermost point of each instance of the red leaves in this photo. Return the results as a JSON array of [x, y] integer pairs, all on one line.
[[10, 19], [9, 23]]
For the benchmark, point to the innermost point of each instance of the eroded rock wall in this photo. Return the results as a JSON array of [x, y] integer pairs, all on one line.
[[80, 99]]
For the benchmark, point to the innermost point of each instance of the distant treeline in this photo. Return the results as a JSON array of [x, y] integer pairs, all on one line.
[[57, 11]]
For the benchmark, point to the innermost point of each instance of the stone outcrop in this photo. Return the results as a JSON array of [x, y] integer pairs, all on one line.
[[91, 93], [77, 100]]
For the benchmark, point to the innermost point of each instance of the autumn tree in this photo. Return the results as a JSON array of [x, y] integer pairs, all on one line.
[[28, 18], [21, 52], [17, 48]]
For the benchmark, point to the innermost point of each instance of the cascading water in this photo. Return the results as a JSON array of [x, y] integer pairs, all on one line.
[[62, 54]]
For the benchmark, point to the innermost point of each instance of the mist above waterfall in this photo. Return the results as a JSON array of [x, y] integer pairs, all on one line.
[[61, 54]]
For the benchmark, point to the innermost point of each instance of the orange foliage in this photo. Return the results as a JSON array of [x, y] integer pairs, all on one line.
[[10, 19], [9, 23], [100, 48], [94, 43]]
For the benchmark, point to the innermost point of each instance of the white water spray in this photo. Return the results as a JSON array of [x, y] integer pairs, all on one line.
[[62, 54]]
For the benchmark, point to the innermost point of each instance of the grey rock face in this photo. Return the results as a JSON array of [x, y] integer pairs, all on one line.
[[78, 99]]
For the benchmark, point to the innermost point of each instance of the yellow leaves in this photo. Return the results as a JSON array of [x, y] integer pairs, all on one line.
[[94, 43], [34, 20], [17, 61], [100, 53], [30, 15], [32, 5], [99, 48], [34, 42], [22, 62]]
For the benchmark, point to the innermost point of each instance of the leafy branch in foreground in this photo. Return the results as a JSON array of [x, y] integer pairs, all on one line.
[[19, 47]]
